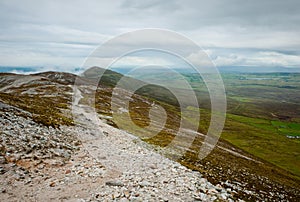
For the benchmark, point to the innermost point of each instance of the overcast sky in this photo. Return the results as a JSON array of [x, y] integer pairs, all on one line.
[[59, 35]]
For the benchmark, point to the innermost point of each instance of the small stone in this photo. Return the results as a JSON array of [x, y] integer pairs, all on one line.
[[28, 181], [203, 189], [223, 196], [68, 171], [17, 177], [124, 200], [219, 187], [144, 184], [165, 181], [115, 183], [164, 199], [2, 160], [197, 198], [202, 181], [2, 170], [136, 199], [62, 153], [41, 166], [202, 196], [52, 184], [152, 166], [212, 191], [126, 194], [115, 195]]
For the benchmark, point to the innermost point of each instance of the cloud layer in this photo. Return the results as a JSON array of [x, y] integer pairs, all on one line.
[[61, 34]]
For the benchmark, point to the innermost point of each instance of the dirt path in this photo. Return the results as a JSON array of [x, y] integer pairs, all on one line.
[[110, 165], [125, 155]]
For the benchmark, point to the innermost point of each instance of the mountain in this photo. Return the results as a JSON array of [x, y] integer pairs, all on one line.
[[41, 105]]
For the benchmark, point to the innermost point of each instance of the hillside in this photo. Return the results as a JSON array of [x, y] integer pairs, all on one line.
[[42, 103]]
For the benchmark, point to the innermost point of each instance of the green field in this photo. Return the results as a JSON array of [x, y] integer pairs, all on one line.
[[263, 109]]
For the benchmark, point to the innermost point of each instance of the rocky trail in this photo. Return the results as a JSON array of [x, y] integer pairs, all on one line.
[[90, 161]]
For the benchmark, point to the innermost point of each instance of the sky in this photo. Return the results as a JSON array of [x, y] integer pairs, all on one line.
[[60, 35]]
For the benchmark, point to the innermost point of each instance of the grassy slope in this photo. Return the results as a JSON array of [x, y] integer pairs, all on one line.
[[249, 125], [39, 107], [265, 140], [219, 165], [266, 111], [262, 110]]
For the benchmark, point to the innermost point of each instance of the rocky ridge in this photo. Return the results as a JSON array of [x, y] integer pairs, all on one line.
[[69, 163]]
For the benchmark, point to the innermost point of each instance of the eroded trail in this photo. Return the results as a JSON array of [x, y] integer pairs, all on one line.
[[90, 161], [143, 173]]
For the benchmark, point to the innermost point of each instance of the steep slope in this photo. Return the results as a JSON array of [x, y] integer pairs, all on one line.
[[87, 162], [48, 97]]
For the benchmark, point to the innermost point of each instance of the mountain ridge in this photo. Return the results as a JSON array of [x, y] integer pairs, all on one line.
[[43, 90]]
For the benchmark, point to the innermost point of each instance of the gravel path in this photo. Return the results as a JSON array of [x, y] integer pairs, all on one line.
[[143, 174], [90, 161]]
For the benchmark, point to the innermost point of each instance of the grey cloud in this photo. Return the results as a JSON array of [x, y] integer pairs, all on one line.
[[149, 4], [73, 28], [268, 14]]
